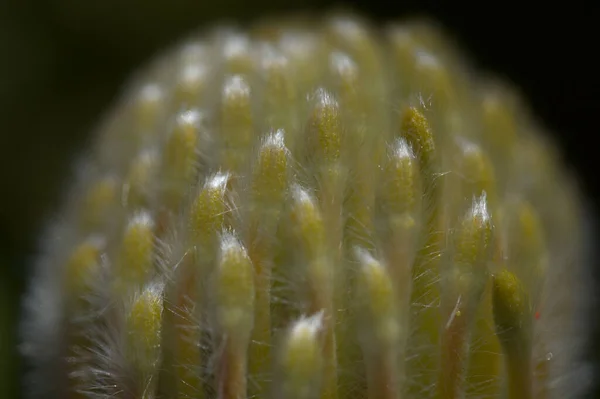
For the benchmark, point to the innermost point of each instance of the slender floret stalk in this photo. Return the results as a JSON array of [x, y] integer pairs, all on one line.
[[313, 210]]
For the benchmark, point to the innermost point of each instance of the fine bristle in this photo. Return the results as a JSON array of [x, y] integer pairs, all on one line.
[[313, 211]]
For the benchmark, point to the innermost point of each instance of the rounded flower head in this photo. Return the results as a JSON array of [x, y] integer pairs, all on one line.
[[313, 210]]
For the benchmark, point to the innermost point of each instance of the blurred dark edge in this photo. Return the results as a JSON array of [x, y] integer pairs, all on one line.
[[63, 61]]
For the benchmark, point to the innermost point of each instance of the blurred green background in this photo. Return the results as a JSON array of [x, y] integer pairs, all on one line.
[[63, 61]]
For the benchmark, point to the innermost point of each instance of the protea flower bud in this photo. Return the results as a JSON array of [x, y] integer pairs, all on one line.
[[313, 210]]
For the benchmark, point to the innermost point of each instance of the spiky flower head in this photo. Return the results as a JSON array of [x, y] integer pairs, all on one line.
[[313, 210]]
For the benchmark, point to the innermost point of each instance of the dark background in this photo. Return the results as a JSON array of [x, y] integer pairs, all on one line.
[[63, 61]]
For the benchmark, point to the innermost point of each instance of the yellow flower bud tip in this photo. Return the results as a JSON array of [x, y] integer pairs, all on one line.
[[302, 196], [326, 120], [426, 60], [208, 210], [273, 153], [353, 34], [83, 265], [237, 128], [182, 140], [324, 99], [347, 27], [192, 75], [301, 359], [270, 177], [513, 317], [307, 327], [140, 221], [142, 347], [271, 59], [479, 210], [244, 168], [380, 326], [472, 242], [193, 53], [189, 119], [379, 298], [148, 106], [402, 150], [307, 222], [477, 170], [302, 344], [325, 138], [512, 309], [299, 44], [236, 88], [193, 69], [418, 133], [236, 46], [235, 288], [99, 201], [344, 66], [472, 255], [400, 191], [136, 253], [149, 95], [138, 187], [217, 183], [275, 141]]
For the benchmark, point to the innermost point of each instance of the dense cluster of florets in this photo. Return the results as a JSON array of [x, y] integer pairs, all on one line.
[[311, 210]]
